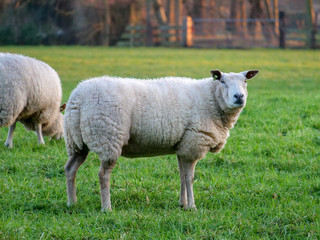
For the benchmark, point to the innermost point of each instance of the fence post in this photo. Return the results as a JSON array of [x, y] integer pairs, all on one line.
[[310, 23], [132, 32], [149, 35], [282, 33], [187, 28], [313, 37]]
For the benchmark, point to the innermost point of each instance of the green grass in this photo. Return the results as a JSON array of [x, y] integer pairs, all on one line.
[[265, 184]]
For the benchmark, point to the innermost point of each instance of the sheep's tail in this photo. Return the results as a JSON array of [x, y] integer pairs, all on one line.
[[72, 130]]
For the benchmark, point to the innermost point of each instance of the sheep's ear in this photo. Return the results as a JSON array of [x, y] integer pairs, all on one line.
[[250, 74], [216, 74], [63, 107]]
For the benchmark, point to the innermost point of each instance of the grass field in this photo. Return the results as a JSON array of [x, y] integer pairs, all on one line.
[[265, 184]]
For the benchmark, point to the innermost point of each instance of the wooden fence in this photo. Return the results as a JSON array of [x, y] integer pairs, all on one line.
[[294, 33], [165, 35], [219, 33], [140, 35], [234, 33]]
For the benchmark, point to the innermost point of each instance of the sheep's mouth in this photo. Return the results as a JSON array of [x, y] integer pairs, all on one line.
[[238, 104]]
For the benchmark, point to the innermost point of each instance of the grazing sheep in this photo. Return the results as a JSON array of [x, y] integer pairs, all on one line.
[[116, 117], [30, 92]]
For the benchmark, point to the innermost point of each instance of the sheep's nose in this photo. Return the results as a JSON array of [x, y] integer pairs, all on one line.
[[238, 96]]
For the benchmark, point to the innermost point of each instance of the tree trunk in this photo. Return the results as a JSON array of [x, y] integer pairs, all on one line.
[[244, 23], [276, 17], [178, 8], [170, 20], [198, 7], [310, 13], [235, 15], [269, 31], [106, 41], [149, 40], [256, 12], [170, 10], [311, 28], [267, 5], [162, 20], [160, 12], [178, 20], [133, 14]]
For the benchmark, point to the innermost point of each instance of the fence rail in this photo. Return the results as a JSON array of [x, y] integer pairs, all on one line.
[[137, 35], [231, 20]]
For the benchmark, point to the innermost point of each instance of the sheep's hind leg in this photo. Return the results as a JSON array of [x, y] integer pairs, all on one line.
[[38, 129], [71, 169], [10, 135], [188, 176], [104, 178]]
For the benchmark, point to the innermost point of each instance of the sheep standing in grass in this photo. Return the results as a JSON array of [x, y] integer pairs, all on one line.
[[30, 92], [116, 117]]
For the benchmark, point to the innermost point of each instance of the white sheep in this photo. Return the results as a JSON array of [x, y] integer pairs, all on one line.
[[127, 117], [30, 92]]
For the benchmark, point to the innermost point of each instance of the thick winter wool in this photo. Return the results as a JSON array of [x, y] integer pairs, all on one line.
[[140, 118], [30, 92]]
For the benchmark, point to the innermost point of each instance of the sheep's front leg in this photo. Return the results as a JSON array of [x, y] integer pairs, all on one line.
[[183, 190], [104, 178], [71, 169], [187, 172], [38, 129], [10, 136]]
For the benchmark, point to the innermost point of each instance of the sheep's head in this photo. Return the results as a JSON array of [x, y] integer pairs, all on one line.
[[56, 128], [233, 87]]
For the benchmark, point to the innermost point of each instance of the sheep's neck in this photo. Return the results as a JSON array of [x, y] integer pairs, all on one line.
[[230, 118]]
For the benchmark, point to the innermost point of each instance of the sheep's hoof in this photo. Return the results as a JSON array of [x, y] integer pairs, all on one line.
[[189, 208], [183, 205], [193, 209], [105, 209], [71, 204], [8, 145]]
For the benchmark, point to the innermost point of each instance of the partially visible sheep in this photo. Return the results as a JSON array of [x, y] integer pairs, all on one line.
[[140, 118], [30, 92]]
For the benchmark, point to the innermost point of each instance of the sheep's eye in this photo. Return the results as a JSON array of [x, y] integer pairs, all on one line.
[[222, 81], [245, 81]]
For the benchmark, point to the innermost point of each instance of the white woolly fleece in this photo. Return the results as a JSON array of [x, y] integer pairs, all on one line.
[[30, 92], [138, 118]]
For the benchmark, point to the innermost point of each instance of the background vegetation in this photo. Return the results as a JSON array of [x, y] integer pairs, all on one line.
[[265, 184], [109, 22]]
